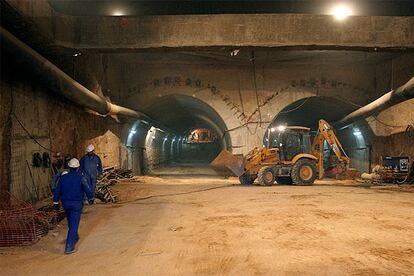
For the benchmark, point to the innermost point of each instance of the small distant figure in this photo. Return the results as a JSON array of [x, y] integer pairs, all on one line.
[[91, 165], [70, 191]]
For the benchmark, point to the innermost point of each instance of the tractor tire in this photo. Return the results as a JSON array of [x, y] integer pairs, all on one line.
[[284, 180], [266, 176], [304, 172], [246, 179]]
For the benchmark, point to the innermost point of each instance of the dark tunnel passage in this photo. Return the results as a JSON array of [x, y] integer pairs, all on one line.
[[189, 133], [308, 111]]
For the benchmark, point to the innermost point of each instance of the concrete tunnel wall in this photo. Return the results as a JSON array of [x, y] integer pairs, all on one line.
[[51, 125], [82, 32]]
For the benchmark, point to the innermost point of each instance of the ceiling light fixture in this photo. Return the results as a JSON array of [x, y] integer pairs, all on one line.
[[118, 12], [341, 12]]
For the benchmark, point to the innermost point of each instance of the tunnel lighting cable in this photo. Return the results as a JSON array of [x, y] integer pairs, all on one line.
[[296, 108], [376, 118], [388, 125], [255, 88], [31, 136]]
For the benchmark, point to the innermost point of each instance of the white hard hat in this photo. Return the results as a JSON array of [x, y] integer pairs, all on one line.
[[90, 148], [73, 163]]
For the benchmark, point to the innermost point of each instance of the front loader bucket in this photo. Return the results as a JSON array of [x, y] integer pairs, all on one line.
[[227, 164]]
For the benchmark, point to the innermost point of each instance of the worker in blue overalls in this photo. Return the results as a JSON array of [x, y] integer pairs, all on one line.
[[91, 165], [70, 191]]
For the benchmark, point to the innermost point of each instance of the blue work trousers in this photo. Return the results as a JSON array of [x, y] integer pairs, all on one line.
[[92, 184], [73, 210]]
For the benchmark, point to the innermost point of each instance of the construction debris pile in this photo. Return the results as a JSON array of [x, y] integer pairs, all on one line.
[[46, 219], [110, 177], [21, 224]]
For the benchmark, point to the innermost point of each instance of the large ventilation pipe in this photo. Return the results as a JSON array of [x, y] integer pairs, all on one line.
[[401, 94], [60, 82]]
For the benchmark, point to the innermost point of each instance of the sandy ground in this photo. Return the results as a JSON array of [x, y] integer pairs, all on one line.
[[173, 224]]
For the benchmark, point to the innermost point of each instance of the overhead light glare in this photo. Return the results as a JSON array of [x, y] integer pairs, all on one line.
[[281, 128], [341, 12], [118, 12], [357, 133]]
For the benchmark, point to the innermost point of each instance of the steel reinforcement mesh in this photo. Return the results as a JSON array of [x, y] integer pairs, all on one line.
[[17, 224]]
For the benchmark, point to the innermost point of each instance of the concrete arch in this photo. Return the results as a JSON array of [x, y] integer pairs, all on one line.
[[149, 147], [205, 91], [181, 112]]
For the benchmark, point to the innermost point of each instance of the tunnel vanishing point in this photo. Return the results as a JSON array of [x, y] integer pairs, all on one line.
[[141, 87]]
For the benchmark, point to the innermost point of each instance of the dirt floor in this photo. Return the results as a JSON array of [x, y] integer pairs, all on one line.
[[173, 224]]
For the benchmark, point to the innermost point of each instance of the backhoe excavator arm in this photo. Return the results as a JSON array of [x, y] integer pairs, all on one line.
[[326, 133]]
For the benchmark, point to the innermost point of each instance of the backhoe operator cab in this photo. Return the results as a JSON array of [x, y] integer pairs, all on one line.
[[291, 140]]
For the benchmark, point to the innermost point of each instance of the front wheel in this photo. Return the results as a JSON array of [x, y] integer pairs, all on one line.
[[246, 179], [266, 176], [304, 172]]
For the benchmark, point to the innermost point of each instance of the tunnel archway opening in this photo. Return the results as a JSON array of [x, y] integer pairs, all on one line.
[[308, 111], [189, 133]]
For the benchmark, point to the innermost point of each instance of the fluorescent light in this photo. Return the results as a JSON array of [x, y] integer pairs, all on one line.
[[132, 131], [357, 133], [272, 129]]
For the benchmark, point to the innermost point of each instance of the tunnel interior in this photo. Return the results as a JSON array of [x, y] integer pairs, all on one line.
[[308, 111], [184, 131]]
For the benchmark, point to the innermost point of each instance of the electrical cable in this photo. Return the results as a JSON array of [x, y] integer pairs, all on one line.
[[255, 88], [296, 108], [388, 125], [179, 193], [30, 135]]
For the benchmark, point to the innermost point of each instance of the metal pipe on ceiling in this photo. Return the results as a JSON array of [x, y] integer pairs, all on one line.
[[396, 96], [62, 83]]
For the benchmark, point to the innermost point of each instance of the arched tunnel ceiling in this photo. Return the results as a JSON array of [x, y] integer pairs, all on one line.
[[308, 111], [181, 113]]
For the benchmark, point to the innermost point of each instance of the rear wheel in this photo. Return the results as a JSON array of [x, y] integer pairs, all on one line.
[[304, 172], [266, 176], [246, 179]]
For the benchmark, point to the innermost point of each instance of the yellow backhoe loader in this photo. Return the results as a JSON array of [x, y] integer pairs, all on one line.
[[288, 158]]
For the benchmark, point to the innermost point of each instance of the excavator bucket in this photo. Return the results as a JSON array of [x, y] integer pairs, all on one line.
[[227, 164]]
